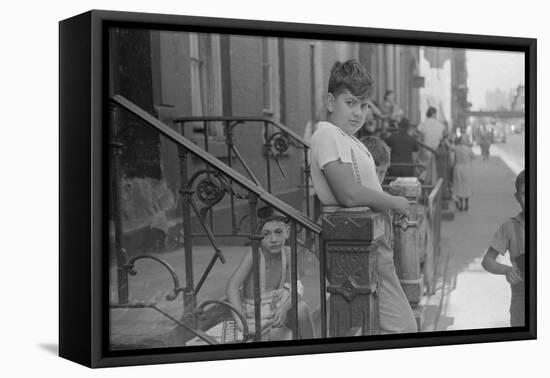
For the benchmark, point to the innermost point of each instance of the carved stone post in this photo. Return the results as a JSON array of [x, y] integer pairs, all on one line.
[[349, 240], [406, 256]]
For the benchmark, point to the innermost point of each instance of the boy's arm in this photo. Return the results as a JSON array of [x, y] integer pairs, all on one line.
[[349, 193], [490, 264], [236, 281]]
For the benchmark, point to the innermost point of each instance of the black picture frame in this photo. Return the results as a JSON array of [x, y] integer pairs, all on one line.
[[84, 165]]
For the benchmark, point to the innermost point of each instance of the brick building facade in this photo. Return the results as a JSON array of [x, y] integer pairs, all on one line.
[[179, 74]]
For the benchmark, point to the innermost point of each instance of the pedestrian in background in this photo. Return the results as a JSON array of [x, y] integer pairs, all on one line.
[[462, 172], [431, 133], [485, 143], [403, 148]]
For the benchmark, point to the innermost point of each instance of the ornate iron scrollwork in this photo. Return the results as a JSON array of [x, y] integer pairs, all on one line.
[[210, 187], [175, 280], [279, 143], [210, 190]]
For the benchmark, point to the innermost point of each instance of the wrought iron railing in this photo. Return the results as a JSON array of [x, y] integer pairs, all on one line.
[[209, 186], [276, 145]]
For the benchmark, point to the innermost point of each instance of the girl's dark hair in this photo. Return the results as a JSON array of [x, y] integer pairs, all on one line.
[[388, 92], [431, 111], [350, 75], [520, 180]]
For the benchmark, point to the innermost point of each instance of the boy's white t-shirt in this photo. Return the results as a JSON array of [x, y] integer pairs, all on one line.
[[330, 143]]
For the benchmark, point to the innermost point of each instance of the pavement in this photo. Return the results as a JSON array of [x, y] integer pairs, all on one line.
[[465, 297]]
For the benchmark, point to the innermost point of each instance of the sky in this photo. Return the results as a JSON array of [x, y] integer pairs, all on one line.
[[489, 70]]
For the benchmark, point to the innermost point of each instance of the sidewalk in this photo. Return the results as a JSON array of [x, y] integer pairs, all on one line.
[[466, 296]]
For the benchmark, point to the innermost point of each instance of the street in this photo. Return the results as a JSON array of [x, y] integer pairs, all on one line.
[[466, 296]]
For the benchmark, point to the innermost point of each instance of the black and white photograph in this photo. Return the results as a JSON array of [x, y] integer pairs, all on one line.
[[265, 188], [277, 189]]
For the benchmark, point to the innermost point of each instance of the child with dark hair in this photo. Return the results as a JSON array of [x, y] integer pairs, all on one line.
[[274, 282], [344, 174], [380, 154], [510, 237]]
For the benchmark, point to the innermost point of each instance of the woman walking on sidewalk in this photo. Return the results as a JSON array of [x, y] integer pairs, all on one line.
[[485, 143], [462, 173]]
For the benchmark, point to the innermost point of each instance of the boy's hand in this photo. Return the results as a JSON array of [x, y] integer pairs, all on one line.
[[513, 276], [401, 205], [278, 317]]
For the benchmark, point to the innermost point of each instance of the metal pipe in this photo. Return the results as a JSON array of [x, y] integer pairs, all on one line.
[[229, 143], [217, 255], [189, 298], [116, 151], [307, 172], [255, 238], [294, 279], [205, 129], [267, 146], [245, 166], [322, 286]]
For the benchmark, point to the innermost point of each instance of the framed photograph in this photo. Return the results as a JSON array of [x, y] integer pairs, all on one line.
[[234, 188]]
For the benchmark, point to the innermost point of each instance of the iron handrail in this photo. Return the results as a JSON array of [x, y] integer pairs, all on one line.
[[244, 119], [177, 138]]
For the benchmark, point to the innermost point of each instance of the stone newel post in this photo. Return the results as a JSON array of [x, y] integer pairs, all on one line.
[[406, 256], [349, 240]]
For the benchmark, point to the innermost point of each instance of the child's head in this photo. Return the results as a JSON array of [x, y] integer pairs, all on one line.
[[404, 124], [273, 228], [381, 154], [520, 189], [431, 112], [349, 87]]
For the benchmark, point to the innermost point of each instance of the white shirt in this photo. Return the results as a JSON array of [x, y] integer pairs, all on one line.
[[432, 130], [330, 143]]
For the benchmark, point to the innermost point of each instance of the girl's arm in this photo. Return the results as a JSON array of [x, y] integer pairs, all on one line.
[[490, 264], [349, 193], [237, 280]]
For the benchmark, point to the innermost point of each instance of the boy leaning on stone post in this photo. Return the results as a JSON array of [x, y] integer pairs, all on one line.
[[344, 174]]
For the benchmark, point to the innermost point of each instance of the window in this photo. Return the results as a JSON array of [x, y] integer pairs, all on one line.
[[206, 82], [270, 74]]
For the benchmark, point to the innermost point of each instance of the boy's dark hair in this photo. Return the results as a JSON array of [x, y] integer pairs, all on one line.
[[431, 111], [350, 75], [379, 150], [267, 214], [520, 180], [404, 124]]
